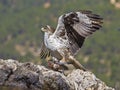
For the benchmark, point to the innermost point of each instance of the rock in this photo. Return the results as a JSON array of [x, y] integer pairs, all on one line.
[[86, 81], [37, 77]]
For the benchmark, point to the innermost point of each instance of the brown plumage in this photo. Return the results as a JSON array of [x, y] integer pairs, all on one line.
[[63, 43]]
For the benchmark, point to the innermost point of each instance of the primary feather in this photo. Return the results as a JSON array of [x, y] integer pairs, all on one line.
[[70, 33]]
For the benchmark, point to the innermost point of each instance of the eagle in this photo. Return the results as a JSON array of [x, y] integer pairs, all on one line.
[[64, 42]]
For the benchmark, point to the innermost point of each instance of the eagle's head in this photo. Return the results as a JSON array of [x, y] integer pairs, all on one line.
[[48, 29]]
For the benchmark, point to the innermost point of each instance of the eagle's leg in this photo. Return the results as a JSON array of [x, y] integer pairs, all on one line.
[[63, 60], [72, 60], [76, 63], [67, 58], [56, 65], [63, 54]]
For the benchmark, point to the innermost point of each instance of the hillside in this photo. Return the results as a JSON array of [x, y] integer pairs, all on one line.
[[21, 36]]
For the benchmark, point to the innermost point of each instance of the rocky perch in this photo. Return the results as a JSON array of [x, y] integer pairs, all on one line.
[[37, 77]]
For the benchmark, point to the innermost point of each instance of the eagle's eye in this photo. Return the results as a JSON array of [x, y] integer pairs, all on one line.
[[45, 27]]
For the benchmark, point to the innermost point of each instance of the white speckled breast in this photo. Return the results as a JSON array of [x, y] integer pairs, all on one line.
[[53, 43]]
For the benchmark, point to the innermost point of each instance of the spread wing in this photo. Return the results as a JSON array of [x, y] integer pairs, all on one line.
[[44, 52], [77, 26]]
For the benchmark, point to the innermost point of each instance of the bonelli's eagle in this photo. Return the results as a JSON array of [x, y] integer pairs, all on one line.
[[65, 41]]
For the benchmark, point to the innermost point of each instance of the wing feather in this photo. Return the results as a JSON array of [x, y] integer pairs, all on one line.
[[44, 52], [78, 26]]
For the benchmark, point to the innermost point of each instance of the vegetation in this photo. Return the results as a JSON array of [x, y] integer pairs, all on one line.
[[21, 37]]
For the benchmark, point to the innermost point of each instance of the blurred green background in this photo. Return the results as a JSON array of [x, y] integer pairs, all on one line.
[[21, 36]]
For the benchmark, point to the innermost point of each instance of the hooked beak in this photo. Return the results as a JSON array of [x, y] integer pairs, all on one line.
[[45, 28], [42, 29]]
